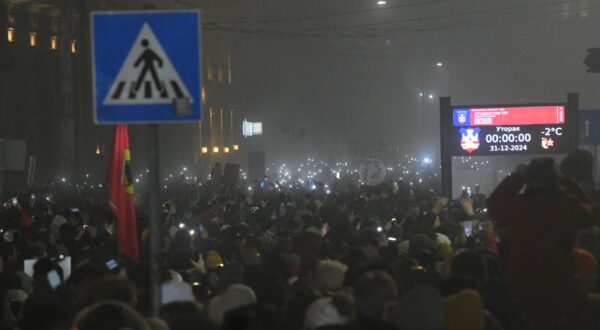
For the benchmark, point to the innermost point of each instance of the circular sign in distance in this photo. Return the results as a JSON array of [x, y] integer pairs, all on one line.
[[372, 172]]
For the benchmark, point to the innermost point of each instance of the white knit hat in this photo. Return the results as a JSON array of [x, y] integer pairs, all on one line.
[[321, 313], [331, 273], [236, 296], [176, 291]]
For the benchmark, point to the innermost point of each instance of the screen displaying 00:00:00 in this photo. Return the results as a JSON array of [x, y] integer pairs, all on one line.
[[508, 130]]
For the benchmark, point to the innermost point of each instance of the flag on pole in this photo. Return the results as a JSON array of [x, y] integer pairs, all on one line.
[[120, 194]]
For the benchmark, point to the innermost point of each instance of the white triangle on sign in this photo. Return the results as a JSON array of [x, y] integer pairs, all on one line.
[[147, 75]]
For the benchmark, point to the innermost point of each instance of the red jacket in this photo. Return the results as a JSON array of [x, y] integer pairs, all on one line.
[[542, 233], [542, 229]]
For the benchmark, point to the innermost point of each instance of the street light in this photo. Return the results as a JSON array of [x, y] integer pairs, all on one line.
[[381, 2], [431, 96], [236, 147], [215, 150], [439, 64], [204, 150], [226, 150]]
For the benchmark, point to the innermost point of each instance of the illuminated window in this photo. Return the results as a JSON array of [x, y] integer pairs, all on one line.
[[229, 75], [32, 39], [209, 72], [54, 42], [73, 46], [10, 34], [209, 69], [220, 74]]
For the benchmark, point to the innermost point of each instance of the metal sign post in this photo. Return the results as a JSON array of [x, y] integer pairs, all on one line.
[[154, 218], [147, 70], [2, 153]]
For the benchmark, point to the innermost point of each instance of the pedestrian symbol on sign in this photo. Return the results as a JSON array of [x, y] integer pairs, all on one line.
[[148, 57], [147, 75]]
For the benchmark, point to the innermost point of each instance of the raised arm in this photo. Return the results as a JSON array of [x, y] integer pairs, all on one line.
[[581, 205], [506, 199]]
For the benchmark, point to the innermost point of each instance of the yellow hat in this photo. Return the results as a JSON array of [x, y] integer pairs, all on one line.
[[445, 249], [463, 311], [213, 259], [145, 235]]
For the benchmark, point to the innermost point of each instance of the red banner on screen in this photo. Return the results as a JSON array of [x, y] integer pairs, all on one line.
[[538, 115]]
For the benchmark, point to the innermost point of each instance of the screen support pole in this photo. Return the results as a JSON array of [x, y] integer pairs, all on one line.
[[445, 157], [572, 120]]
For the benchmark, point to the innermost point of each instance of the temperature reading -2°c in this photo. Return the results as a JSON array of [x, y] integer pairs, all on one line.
[[549, 131]]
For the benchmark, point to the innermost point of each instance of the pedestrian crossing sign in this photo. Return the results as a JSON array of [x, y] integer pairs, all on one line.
[[146, 66]]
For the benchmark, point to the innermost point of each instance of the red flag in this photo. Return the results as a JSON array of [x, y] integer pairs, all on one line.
[[120, 194]]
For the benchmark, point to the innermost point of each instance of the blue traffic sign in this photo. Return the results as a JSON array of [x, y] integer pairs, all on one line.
[[589, 127], [146, 66]]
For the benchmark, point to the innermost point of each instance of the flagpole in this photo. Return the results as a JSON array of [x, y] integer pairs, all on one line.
[[154, 218]]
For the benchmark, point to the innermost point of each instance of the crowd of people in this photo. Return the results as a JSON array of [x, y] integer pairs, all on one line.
[[345, 256]]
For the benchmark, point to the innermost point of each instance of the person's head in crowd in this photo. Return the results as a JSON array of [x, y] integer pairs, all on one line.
[[181, 252], [175, 291], [111, 288], [14, 299], [44, 317], [403, 272], [589, 239], [464, 310], [578, 165], [374, 292], [109, 315], [493, 267], [426, 201], [236, 296], [155, 323], [77, 286], [231, 273], [184, 315], [251, 251], [47, 274], [542, 175], [458, 283], [370, 235], [138, 275], [586, 268], [73, 217], [422, 247], [329, 275], [338, 310], [214, 260], [292, 267], [469, 264], [182, 240]]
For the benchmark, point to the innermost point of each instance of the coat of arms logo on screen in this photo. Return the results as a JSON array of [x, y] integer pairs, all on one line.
[[469, 139], [462, 118]]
